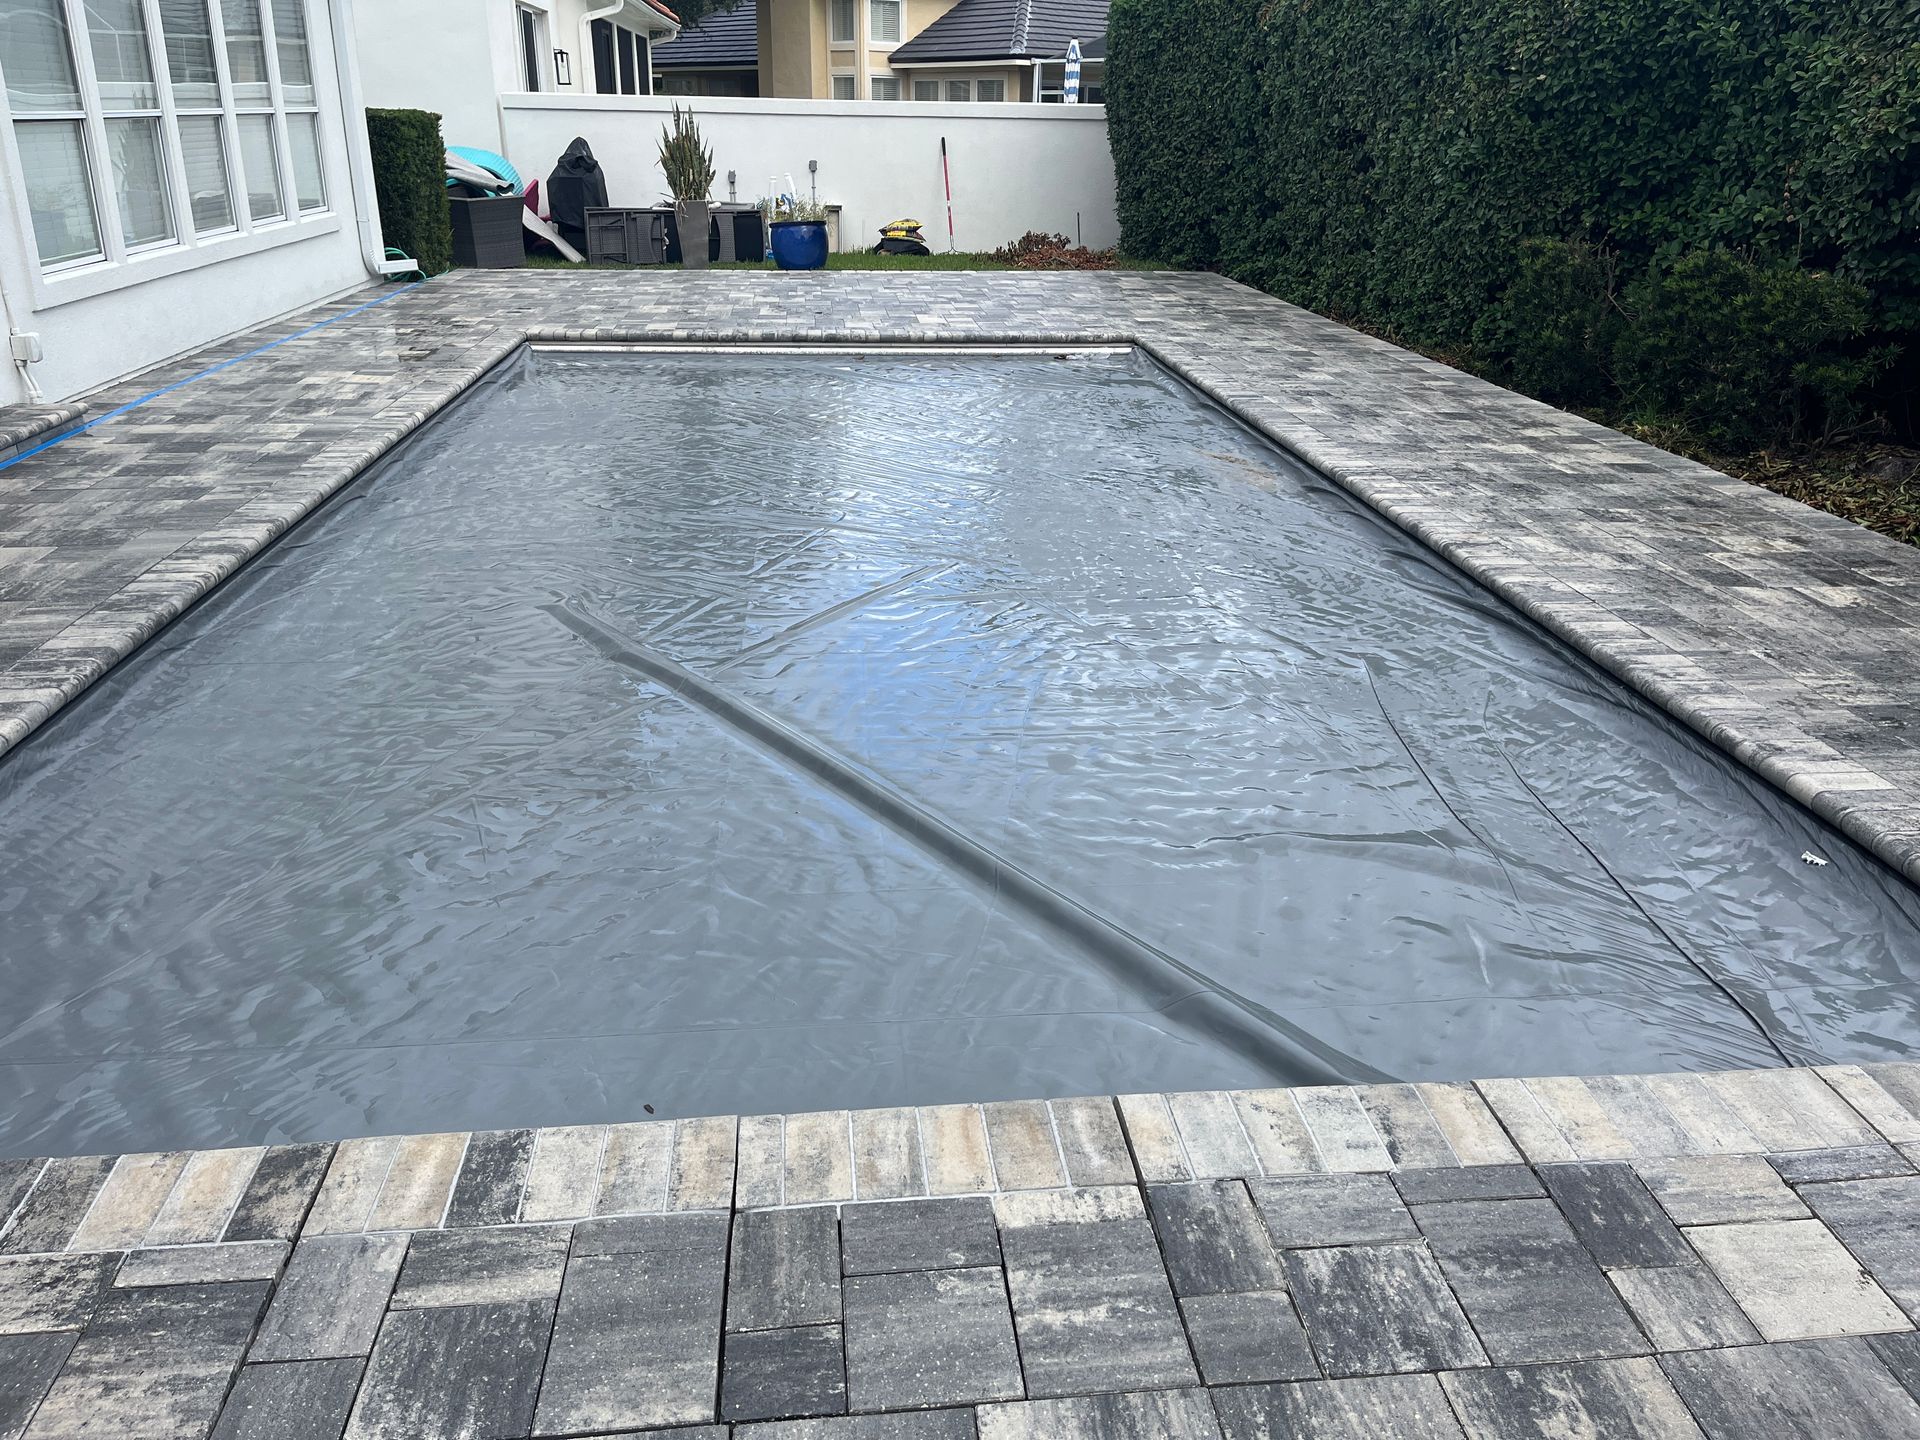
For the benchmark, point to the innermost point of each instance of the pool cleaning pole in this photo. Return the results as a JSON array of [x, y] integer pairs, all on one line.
[[946, 174]]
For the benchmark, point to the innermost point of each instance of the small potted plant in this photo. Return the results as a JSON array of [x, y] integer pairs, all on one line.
[[688, 165], [797, 233]]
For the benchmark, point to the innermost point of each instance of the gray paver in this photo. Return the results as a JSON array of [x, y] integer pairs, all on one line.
[[1332, 1210], [1531, 1289], [908, 1425], [637, 1339], [1879, 1221], [785, 1270], [484, 1363], [1390, 1407], [1901, 1355], [491, 1178], [28, 1364], [1614, 1216], [1380, 1310], [155, 1364], [1091, 1300], [331, 1298], [1853, 1162], [779, 1374], [51, 1292], [929, 1338], [1684, 1307], [482, 1267], [1815, 1390], [1468, 1182], [1549, 1402], [278, 1193], [1795, 1281], [1213, 1240], [943, 1234], [204, 1264], [1155, 1415], [294, 1400], [1249, 1337], [1718, 1189], [55, 1206]]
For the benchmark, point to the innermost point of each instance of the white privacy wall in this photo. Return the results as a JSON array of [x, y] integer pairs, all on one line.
[[1015, 167]]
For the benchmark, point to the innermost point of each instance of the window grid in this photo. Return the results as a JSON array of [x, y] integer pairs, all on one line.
[[883, 22], [161, 162], [81, 239]]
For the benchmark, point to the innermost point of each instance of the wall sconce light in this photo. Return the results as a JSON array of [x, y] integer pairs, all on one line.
[[562, 68]]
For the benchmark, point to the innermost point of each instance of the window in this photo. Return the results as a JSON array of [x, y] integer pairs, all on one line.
[[840, 31], [529, 49], [926, 89], [843, 87], [885, 87], [49, 128], [990, 90], [140, 123], [959, 90], [193, 71], [883, 21], [622, 63]]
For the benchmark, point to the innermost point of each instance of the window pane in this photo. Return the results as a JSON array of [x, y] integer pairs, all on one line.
[[842, 30], [959, 90], [843, 87], [133, 153], [290, 41], [260, 163], [209, 191], [926, 89], [629, 77], [309, 182], [883, 21], [54, 158], [35, 55], [246, 52], [121, 63], [990, 89], [885, 89], [187, 29]]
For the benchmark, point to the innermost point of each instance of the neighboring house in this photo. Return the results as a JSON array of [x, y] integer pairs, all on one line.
[[720, 55], [458, 57], [172, 171], [948, 50]]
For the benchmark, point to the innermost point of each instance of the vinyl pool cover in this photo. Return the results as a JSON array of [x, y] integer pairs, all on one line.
[[758, 733]]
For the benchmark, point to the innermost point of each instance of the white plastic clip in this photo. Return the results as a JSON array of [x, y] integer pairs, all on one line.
[[1811, 858]]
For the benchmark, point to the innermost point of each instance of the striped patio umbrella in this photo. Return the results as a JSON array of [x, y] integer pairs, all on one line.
[[1072, 96]]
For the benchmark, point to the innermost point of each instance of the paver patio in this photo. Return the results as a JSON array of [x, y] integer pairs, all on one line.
[[1727, 1255]]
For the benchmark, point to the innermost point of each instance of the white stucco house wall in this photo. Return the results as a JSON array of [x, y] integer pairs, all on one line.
[[459, 57], [171, 172]]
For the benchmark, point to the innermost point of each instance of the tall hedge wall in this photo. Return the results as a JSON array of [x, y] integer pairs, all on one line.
[[410, 177], [1397, 162]]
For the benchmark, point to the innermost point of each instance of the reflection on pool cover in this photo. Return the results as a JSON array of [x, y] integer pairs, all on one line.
[[762, 733]]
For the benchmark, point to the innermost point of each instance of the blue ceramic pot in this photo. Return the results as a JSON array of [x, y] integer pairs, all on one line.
[[799, 244]]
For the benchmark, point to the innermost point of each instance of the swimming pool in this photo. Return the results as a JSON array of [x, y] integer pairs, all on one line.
[[759, 732]]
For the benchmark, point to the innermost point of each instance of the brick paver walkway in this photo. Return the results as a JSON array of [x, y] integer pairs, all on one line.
[[1732, 1255]]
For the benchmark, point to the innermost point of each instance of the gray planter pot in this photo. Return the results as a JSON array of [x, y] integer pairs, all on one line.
[[693, 218]]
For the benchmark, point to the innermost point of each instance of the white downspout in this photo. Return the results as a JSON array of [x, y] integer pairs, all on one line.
[[366, 203]]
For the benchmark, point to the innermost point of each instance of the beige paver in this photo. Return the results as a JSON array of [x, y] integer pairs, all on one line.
[[1472, 1130], [358, 1170], [954, 1141], [1529, 1125], [210, 1185], [1873, 1101], [760, 1166], [1342, 1130], [886, 1155], [819, 1157], [634, 1169], [128, 1203], [1589, 1130], [563, 1177], [1091, 1141], [1708, 1120], [1795, 1280], [1789, 1109], [1025, 1154], [418, 1183], [1278, 1132], [1412, 1136], [702, 1174], [1210, 1130], [1155, 1139], [1718, 1189]]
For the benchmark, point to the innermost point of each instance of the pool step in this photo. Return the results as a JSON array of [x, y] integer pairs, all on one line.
[[24, 427]]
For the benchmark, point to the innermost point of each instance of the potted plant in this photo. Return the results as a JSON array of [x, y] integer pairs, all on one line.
[[796, 233], [688, 165]]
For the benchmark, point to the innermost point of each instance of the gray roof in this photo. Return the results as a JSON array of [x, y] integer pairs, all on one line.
[[723, 39], [1010, 30]]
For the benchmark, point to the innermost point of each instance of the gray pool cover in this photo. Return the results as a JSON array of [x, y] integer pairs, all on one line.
[[762, 733]]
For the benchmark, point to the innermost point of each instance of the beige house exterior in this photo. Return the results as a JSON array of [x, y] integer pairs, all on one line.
[[843, 50]]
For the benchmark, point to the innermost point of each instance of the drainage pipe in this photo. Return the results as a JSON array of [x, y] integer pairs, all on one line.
[[353, 112]]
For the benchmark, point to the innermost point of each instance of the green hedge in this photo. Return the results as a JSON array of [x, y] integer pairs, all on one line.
[[1444, 169], [410, 176]]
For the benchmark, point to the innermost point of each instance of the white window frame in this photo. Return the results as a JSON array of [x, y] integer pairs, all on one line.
[[999, 80], [852, 37], [874, 42], [933, 99], [853, 84], [540, 62], [118, 266], [887, 79], [946, 89]]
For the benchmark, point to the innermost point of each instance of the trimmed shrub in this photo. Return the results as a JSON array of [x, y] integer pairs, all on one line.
[[410, 177], [1552, 333], [1388, 162]]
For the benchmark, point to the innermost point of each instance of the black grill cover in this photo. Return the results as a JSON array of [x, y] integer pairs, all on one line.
[[576, 186]]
